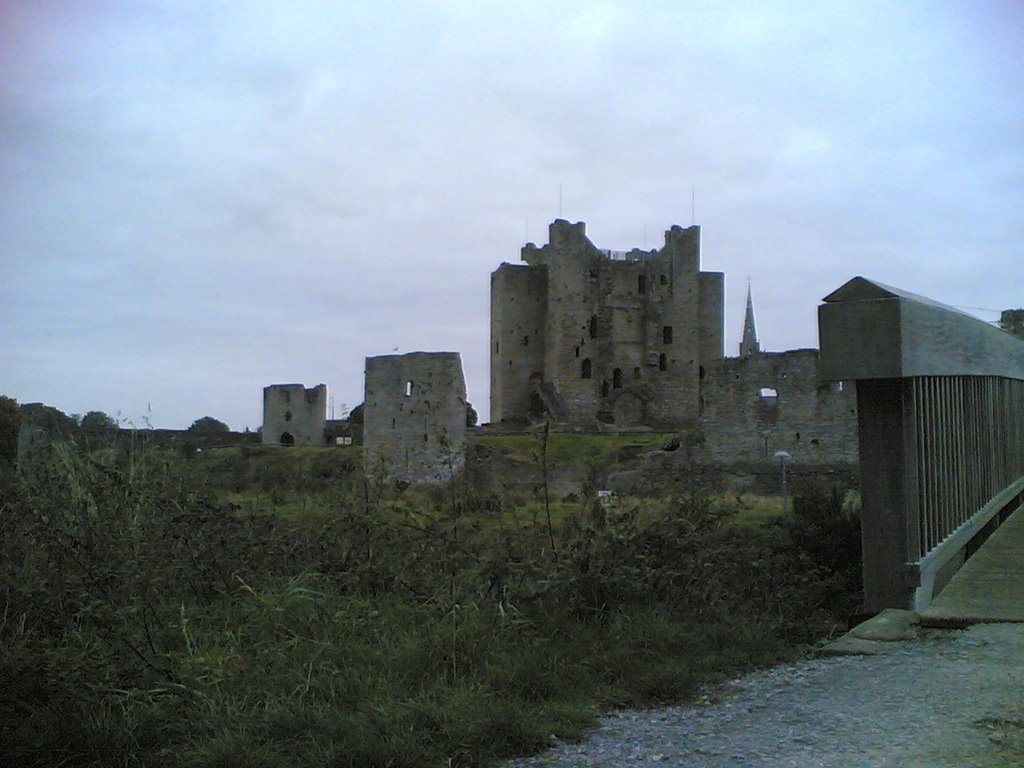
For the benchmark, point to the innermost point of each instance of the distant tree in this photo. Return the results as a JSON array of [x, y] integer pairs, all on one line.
[[208, 426], [97, 422], [471, 415], [10, 420], [355, 422], [355, 416], [41, 428]]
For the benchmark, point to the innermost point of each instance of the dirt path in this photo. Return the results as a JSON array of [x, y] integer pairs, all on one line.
[[953, 698]]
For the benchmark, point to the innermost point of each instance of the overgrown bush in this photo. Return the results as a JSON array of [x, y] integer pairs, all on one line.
[[826, 530]]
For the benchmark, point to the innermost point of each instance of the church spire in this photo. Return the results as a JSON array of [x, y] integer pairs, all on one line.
[[749, 344]]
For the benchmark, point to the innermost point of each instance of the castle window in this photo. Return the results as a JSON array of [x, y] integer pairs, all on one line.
[[586, 368], [636, 373], [664, 280], [641, 283], [617, 378], [392, 422], [666, 334], [701, 373], [662, 362], [593, 326], [286, 395], [526, 341], [408, 388], [497, 347], [577, 351], [287, 415]]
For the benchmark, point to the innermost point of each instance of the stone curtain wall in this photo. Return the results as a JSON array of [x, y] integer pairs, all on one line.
[[294, 415], [816, 424], [414, 414]]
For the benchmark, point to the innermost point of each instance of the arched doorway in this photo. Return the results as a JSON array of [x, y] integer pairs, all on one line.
[[287, 438]]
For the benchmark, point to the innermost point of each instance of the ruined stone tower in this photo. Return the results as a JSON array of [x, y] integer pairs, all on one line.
[[601, 336], [414, 416], [294, 415]]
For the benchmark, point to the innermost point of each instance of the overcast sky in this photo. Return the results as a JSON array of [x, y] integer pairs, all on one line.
[[198, 199]]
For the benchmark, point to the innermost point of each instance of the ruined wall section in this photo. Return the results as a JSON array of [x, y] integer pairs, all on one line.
[[518, 309], [294, 415], [742, 422], [414, 416]]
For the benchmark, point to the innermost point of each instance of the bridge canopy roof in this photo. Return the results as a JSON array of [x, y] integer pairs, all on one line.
[[869, 330], [863, 289]]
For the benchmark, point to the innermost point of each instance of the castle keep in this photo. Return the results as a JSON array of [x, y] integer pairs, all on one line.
[[591, 335]]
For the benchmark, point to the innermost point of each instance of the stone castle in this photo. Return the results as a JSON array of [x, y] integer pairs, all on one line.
[[593, 337], [600, 336]]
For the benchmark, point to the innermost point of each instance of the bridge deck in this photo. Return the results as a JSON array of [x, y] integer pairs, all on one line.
[[990, 585]]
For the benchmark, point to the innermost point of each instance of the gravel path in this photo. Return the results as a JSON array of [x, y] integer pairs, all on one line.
[[952, 698]]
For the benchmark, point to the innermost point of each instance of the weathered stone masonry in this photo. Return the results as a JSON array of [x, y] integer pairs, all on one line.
[[753, 406], [593, 335], [414, 413], [294, 415]]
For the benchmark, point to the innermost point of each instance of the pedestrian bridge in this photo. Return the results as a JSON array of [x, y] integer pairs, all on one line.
[[940, 399]]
